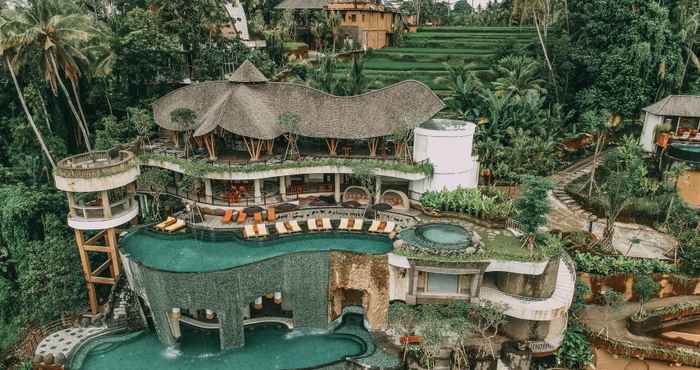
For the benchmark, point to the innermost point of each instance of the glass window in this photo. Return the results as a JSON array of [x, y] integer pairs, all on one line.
[[443, 283]]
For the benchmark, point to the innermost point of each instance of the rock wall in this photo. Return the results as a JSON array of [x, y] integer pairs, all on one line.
[[537, 286], [368, 274]]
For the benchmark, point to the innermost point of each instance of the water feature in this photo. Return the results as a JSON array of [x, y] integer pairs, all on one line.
[[268, 346], [190, 252]]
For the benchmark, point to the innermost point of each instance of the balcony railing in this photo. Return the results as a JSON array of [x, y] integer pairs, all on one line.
[[98, 212], [96, 164]]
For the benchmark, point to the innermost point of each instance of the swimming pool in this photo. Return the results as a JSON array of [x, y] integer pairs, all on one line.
[[214, 251], [268, 346]]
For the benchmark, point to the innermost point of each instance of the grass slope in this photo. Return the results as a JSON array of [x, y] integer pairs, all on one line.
[[423, 54]]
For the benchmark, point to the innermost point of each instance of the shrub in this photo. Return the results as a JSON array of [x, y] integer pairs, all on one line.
[[609, 265], [491, 205], [575, 351]]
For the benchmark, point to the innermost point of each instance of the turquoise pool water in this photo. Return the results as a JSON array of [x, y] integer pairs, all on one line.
[[219, 251], [267, 347]]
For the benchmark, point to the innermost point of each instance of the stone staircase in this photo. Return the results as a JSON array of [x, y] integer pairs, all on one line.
[[563, 178]]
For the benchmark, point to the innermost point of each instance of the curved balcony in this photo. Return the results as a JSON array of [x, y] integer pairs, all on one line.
[[96, 218], [538, 309], [96, 171]]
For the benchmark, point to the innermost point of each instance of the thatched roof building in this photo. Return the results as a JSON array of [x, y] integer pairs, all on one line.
[[677, 106], [248, 105]]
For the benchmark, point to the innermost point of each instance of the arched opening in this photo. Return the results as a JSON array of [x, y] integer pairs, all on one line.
[[356, 193], [396, 199], [269, 305], [345, 297]]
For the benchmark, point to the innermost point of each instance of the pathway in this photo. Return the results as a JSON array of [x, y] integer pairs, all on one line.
[[630, 239]]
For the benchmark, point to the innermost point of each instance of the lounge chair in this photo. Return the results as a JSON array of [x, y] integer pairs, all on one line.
[[228, 217], [168, 221], [248, 231], [179, 224], [294, 226], [281, 228], [357, 224], [271, 214], [258, 217], [390, 226], [343, 224], [381, 227], [241, 217], [262, 230], [311, 224], [327, 224], [374, 227]]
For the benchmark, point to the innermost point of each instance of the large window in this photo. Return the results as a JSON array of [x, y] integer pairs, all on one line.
[[443, 283]]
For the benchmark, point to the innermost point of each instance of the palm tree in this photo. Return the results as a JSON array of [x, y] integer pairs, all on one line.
[[517, 75], [58, 29], [318, 31], [8, 43], [333, 22], [356, 79]]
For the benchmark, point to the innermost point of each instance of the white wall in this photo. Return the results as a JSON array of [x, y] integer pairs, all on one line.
[[450, 152], [647, 138]]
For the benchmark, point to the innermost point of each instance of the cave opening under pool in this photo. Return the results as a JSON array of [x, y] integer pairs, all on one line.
[[268, 346]]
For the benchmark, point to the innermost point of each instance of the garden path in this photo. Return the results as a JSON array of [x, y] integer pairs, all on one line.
[[633, 240], [599, 318]]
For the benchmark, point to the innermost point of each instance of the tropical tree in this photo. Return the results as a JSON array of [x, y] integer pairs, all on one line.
[[8, 44], [518, 75], [532, 207], [624, 173], [356, 82], [333, 22], [58, 29], [645, 288]]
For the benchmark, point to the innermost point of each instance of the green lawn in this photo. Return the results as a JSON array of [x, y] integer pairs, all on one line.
[[423, 55]]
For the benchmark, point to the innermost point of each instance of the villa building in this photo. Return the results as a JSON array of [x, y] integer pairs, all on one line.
[[368, 23], [321, 187], [672, 131]]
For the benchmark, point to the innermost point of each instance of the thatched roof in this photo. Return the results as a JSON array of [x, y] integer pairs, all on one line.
[[254, 110], [302, 4], [676, 105], [247, 73]]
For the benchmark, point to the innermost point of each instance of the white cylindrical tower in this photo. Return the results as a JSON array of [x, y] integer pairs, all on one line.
[[100, 187], [447, 144]]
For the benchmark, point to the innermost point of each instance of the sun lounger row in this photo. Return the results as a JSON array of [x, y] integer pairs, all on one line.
[[255, 231], [382, 227], [354, 224], [242, 216], [171, 224], [319, 224], [287, 227]]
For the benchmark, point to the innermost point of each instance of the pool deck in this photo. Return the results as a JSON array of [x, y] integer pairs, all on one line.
[[64, 342]]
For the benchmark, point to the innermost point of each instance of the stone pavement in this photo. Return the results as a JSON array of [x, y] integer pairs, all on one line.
[[629, 239]]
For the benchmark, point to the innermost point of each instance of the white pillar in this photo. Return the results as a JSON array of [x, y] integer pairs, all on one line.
[[258, 191], [208, 193], [283, 189], [337, 187], [105, 204], [377, 189]]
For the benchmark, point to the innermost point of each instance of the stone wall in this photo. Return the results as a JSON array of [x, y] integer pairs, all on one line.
[[301, 277], [365, 273], [537, 286]]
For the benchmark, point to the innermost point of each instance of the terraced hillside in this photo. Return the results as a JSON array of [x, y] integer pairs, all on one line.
[[423, 54]]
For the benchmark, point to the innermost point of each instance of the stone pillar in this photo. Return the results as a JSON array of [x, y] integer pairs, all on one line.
[[208, 193], [337, 187], [377, 189], [105, 204], [283, 189], [258, 191]]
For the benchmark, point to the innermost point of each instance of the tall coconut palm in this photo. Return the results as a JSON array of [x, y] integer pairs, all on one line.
[[517, 75], [8, 43], [58, 29]]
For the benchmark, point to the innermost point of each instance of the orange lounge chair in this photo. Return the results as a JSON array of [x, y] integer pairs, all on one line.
[[168, 221], [271, 214], [381, 227], [228, 217], [241, 217], [258, 217]]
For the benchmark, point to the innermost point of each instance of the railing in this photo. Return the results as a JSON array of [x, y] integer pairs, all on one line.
[[97, 212], [96, 164], [549, 344]]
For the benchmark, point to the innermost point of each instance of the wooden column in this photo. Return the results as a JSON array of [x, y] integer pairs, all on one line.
[[71, 203], [283, 189], [107, 211], [103, 242], [332, 146], [208, 193], [373, 142], [337, 187]]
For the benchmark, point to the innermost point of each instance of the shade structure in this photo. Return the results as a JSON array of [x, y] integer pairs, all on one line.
[[351, 204], [253, 209], [381, 207], [286, 207]]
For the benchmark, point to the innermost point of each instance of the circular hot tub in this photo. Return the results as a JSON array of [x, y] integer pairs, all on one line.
[[444, 235]]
